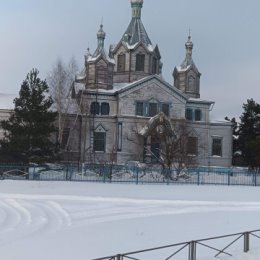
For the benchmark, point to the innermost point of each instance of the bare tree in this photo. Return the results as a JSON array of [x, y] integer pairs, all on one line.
[[178, 146], [60, 80]]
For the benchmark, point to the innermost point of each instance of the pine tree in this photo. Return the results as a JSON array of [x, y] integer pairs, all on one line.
[[249, 134], [29, 128], [235, 133]]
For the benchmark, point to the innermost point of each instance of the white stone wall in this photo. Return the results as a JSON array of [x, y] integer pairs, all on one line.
[[4, 115], [153, 91]]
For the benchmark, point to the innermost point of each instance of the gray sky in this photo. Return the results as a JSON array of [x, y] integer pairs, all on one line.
[[225, 33]]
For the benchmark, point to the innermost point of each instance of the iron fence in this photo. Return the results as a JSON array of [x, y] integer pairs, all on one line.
[[191, 250], [124, 174]]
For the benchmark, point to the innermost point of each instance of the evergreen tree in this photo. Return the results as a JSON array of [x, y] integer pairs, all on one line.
[[235, 133], [29, 128], [249, 134]]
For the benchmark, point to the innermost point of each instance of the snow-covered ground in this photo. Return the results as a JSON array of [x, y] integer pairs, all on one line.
[[71, 220]]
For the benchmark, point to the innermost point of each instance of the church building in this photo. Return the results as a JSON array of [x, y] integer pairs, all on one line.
[[121, 89]]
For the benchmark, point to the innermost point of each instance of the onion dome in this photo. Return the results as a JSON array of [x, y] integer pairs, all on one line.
[[101, 35], [136, 8], [189, 43], [137, 2]]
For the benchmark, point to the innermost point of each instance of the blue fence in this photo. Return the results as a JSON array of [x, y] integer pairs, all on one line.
[[123, 174]]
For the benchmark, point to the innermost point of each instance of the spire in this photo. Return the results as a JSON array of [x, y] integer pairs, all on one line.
[[188, 59], [189, 46], [136, 32], [101, 35], [187, 76], [136, 8]]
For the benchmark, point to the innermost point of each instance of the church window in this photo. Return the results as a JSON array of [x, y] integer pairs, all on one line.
[[139, 108], [191, 83], [105, 109], [192, 145], [153, 109], [139, 66], [102, 74], [189, 113], [166, 109], [99, 141], [154, 66], [216, 146], [121, 63], [94, 108], [197, 115]]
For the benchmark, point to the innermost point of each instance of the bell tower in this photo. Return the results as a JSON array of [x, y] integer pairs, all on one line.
[[135, 55], [187, 76]]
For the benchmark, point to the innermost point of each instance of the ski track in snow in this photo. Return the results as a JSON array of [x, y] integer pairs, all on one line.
[[24, 216]]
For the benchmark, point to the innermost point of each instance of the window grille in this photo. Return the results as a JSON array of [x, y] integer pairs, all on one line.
[[99, 142], [153, 109]]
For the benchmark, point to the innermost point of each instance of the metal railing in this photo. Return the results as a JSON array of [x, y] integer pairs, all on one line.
[[123, 174], [191, 246]]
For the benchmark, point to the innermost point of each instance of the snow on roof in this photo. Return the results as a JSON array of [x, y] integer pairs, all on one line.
[[180, 69], [6, 101], [78, 87], [131, 47], [150, 47], [81, 75], [198, 100]]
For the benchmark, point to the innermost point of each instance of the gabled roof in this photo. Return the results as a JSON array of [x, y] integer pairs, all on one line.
[[120, 88], [155, 78], [100, 52], [200, 101], [127, 46], [187, 64]]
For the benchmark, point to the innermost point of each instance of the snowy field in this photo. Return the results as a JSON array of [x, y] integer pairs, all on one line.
[[76, 221]]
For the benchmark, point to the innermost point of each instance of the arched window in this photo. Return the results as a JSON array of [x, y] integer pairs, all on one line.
[[102, 74], [105, 109], [121, 63], [140, 59], [191, 83]]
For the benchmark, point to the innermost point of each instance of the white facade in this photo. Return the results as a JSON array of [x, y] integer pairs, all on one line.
[[119, 91]]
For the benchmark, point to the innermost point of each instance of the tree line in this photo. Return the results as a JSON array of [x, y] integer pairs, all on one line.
[[246, 136]]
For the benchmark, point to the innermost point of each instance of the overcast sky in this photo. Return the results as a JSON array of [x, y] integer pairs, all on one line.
[[225, 33]]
